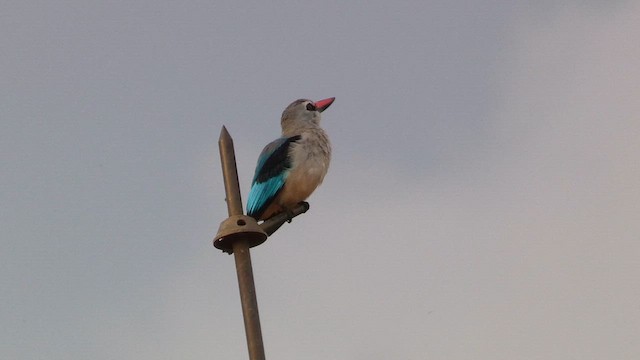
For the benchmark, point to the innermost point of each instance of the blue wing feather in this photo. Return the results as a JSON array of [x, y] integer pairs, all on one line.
[[271, 173], [261, 194]]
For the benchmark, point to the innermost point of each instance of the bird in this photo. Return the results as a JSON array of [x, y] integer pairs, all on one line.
[[291, 167]]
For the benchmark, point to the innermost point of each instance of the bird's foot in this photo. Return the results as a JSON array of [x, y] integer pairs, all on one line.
[[290, 215]]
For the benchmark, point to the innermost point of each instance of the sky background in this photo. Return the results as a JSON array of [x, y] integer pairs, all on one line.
[[483, 200]]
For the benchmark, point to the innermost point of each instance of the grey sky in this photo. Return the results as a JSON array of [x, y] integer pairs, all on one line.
[[483, 200]]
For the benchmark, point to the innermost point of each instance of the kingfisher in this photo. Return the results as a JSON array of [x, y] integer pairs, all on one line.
[[291, 167]]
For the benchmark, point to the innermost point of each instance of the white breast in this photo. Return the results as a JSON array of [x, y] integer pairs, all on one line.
[[310, 161]]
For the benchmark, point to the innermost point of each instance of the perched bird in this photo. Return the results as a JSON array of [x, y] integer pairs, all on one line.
[[291, 167]]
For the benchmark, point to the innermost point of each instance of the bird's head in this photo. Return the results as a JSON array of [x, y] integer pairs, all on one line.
[[304, 113]]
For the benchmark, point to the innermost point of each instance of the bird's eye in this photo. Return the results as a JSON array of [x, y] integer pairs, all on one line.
[[311, 107]]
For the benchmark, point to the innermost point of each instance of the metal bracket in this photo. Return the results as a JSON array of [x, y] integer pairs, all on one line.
[[236, 227]]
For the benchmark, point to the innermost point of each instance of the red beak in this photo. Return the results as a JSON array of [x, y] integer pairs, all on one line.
[[322, 105]]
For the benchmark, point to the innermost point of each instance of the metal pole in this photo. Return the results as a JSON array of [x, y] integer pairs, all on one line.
[[249, 301], [241, 250]]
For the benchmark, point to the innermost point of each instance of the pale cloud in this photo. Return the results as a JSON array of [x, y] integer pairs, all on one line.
[[524, 246]]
